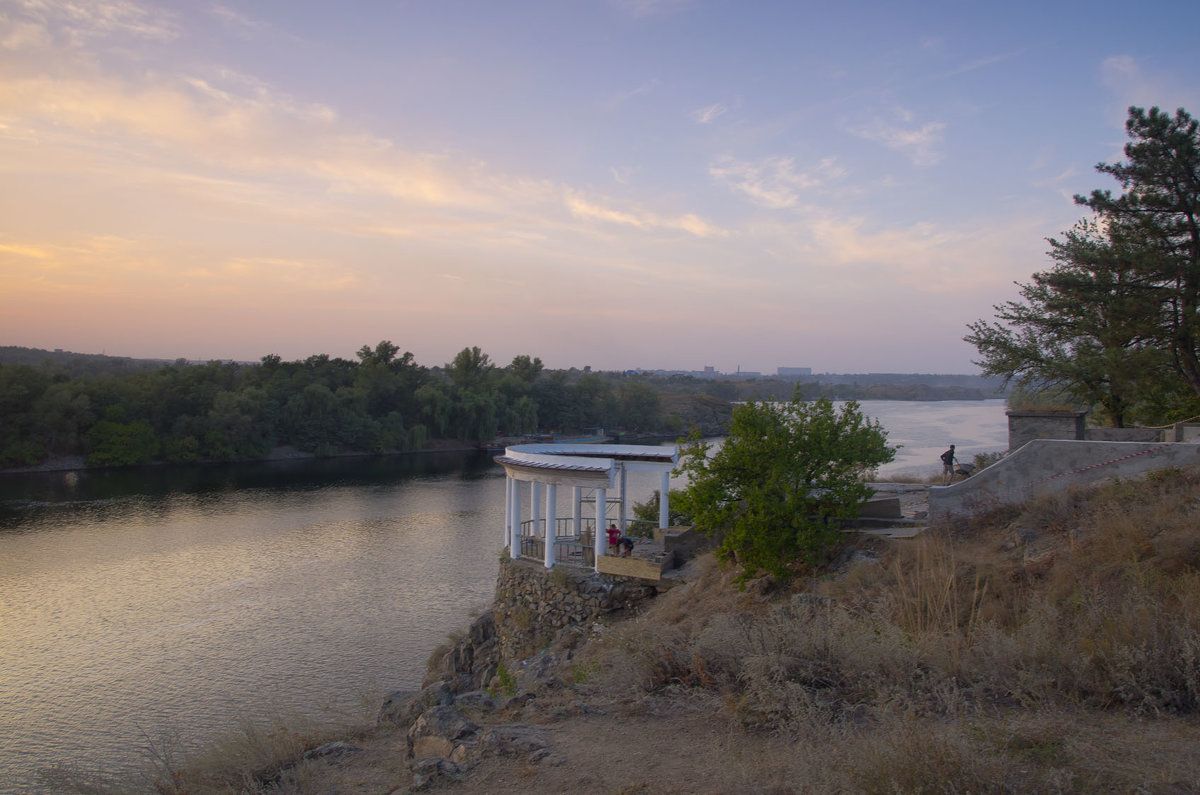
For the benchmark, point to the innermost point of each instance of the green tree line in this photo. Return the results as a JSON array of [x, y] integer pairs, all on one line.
[[379, 401]]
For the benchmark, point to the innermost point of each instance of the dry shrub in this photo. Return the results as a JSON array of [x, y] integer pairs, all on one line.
[[1126, 593], [1106, 612], [257, 756], [1088, 599], [911, 755]]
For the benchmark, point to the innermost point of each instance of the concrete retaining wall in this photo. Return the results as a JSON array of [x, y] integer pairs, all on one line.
[[1125, 435], [1025, 426], [1187, 431], [1045, 466]]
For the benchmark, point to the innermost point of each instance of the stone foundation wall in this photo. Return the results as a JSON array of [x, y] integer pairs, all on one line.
[[535, 609], [534, 604]]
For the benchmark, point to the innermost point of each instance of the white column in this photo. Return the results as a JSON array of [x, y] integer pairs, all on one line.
[[624, 501], [535, 507], [664, 512], [551, 522], [508, 481], [601, 539], [515, 551], [577, 503]]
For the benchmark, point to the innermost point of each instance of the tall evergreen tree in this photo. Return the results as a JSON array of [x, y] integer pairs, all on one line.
[[1085, 327], [1160, 208]]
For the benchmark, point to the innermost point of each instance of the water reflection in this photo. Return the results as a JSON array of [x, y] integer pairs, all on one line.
[[160, 600]]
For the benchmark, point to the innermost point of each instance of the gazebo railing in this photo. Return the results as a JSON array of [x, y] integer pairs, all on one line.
[[569, 549]]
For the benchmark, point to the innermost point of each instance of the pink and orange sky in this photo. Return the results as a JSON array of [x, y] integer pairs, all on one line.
[[613, 183]]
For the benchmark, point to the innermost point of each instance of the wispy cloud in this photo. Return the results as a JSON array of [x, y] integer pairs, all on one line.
[[1132, 84], [645, 88], [25, 250], [245, 27], [583, 208], [622, 174], [77, 21], [709, 114], [24, 35], [981, 63], [235, 19], [919, 143], [257, 134], [837, 251], [772, 182]]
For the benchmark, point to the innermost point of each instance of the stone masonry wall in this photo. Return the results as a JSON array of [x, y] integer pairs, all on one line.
[[535, 609], [534, 605]]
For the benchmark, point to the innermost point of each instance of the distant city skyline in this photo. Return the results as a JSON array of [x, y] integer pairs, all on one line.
[[618, 184]]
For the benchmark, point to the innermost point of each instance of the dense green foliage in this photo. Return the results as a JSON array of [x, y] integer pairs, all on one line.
[[787, 471], [1115, 323], [62, 404], [116, 414]]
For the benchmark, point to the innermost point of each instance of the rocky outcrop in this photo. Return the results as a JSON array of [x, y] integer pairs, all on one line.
[[472, 662], [507, 656], [444, 744]]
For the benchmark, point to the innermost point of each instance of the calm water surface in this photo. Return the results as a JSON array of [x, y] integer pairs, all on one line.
[[135, 605], [924, 431]]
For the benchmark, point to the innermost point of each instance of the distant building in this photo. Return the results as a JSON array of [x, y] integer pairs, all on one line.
[[792, 372]]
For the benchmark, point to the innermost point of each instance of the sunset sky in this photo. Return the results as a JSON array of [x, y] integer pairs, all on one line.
[[613, 183]]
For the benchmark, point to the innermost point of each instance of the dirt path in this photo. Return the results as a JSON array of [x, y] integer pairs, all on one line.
[[691, 751]]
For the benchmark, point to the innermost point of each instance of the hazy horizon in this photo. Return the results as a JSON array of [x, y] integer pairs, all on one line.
[[623, 184], [772, 372]]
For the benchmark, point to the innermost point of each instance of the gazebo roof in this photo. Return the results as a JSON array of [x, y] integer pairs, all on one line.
[[585, 459], [619, 452]]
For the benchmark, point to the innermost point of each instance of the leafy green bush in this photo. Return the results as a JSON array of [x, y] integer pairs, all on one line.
[[785, 475]]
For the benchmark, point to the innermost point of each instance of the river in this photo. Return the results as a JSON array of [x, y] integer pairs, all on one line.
[[137, 606]]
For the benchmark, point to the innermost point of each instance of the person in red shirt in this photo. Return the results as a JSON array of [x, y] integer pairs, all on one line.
[[614, 539]]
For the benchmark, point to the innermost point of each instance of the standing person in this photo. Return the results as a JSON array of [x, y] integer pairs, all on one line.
[[948, 466], [614, 539]]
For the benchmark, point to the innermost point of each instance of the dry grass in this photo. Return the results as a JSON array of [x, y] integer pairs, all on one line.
[[263, 755], [1084, 604], [257, 756]]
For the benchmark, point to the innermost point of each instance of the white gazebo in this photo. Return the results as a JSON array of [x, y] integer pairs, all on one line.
[[597, 474]]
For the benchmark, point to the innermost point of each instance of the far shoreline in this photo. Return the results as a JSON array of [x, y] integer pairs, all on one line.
[[77, 463]]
